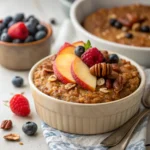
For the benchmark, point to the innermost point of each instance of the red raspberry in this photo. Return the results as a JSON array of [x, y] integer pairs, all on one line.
[[92, 56], [18, 31], [19, 105]]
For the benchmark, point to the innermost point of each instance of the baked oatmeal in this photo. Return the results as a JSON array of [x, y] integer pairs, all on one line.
[[83, 74], [129, 25]]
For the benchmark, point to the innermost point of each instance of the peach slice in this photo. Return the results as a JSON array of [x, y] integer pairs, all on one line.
[[81, 73], [67, 48], [78, 43], [62, 67]]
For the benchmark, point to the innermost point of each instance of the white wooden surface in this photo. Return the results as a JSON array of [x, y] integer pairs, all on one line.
[[43, 9]]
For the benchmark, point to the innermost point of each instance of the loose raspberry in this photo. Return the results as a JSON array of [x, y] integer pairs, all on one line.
[[19, 105], [92, 56], [18, 31]]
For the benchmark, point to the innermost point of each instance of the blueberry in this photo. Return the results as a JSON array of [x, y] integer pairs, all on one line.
[[118, 25], [2, 26], [34, 21], [29, 128], [40, 35], [17, 41], [7, 20], [31, 28], [11, 23], [17, 81], [19, 17], [53, 21], [5, 30], [29, 39], [5, 37], [129, 35], [41, 27], [145, 29], [112, 21], [113, 58], [79, 50]]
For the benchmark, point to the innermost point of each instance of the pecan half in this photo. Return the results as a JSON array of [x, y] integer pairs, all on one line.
[[118, 84], [108, 84], [6, 124], [12, 137]]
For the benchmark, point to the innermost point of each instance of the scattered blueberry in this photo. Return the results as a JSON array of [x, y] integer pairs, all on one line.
[[29, 17], [112, 21], [17, 81], [34, 21], [5, 30], [79, 50], [11, 23], [31, 28], [2, 26], [113, 58], [29, 128], [145, 29], [118, 25], [129, 35], [7, 20], [19, 17], [29, 39], [53, 21], [41, 27], [17, 41], [5, 37], [40, 35]]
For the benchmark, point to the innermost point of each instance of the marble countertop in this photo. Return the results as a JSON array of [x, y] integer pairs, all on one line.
[[43, 9]]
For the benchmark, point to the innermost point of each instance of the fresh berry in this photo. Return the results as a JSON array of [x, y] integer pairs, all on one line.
[[17, 41], [29, 17], [29, 39], [113, 58], [129, 35], [92, 56], [20, 105], [145, 29], [31, 28], [41, 27], [17, 81], [34, 21], [19, 17], [118, 25], [2, 26], [53, 21], [79, 50], [40, 35], [29, 128], [5, 37], [18, 31], [112, 21], [11, 23], [7, 20], [5, 30]]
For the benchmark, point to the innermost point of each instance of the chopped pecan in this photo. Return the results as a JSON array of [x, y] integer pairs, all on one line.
[[115, 67], [6, 124], [118, 84], [106, 55], [12, 137], [136, 27], [113, 75], [108, 84], [69, 86], [120, 35]]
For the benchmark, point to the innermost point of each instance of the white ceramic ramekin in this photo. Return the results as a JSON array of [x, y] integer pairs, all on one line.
[[82, 8], [86, 118]]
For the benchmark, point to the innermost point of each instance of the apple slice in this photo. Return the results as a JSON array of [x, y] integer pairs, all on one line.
[[81, 73], [67, 48], [62, 67], [78, 43]]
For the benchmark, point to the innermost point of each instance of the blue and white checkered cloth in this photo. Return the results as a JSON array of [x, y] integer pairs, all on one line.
[[58, 140]]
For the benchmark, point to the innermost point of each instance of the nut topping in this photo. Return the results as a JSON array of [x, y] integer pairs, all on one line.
[[6, 124], [12, 137], [104, 90], [120, 36], [52, 78], [69, 86], [100, 81], [118, 84], [108, 84], [136, 27]]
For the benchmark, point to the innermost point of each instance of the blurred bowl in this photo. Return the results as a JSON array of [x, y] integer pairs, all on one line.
[[82, 8], [23, 56]]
